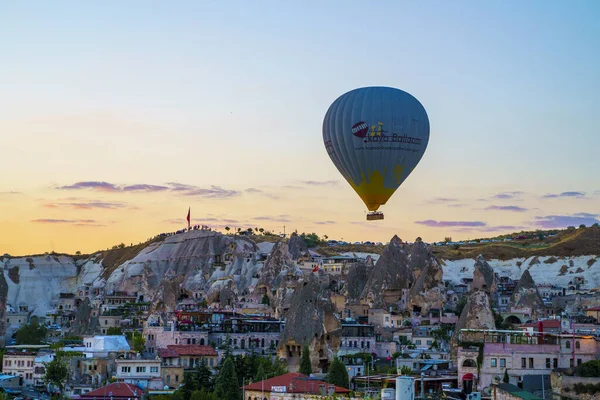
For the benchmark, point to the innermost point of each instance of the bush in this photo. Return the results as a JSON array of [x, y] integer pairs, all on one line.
[[590, 369]]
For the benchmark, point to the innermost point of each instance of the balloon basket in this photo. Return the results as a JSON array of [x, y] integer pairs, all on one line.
[[374, 216]]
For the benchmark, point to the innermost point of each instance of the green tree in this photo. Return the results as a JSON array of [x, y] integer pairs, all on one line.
[[265, 300], [227, 229], [305, 363], [189, 385], [505, 379], [139, 343], [338, 375], [203, 394], [589, 369], [204, 376], [461, 305], [226, 386], [32, 333], [260, 373], [114, 330], [405, 370], [57, 372], [447, 239]]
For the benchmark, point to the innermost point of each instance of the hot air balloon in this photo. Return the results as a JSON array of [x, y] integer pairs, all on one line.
[[376, 136]]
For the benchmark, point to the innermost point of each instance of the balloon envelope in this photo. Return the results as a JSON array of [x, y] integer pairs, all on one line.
[[376, 136]]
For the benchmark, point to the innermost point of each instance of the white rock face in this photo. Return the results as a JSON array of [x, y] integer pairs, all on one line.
[[541, 272], [41, 279]]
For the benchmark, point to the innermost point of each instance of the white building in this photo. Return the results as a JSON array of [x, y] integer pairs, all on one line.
[[143, 373], [102, 346]]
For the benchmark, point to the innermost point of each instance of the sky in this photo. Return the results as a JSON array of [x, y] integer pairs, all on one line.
[[116, 117]]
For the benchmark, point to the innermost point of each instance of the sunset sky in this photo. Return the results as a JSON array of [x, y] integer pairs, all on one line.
[[115, 117]]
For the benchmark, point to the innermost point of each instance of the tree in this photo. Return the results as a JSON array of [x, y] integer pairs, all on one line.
[[114, 330], [405, 370], [265, 300], [227, 229], [203, 395], [261, 230], [338, 375], [57, 372], [305, 363], [461, 305], [32, 333], [139, 343], [260, 373], [189, 385], [505, 379], [226, 386], [589, 369], [447, 239], [204, 376], [78, 253]]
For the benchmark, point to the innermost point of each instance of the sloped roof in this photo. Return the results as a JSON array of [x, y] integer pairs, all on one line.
[[294, 382], [110, 343], [546, 323], [187, 350], [517, 392], [119, 389]]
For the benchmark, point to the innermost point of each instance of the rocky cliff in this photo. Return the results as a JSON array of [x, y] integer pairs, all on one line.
[[356, 280], [526, 295], [484, 277], [311, 321], [477, 314], [428, 291]]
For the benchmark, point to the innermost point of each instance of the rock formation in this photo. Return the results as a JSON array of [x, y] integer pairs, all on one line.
[[296, 246], [477, 314], [484, 277], [526, 295], [3, 296], [358, 275], [390, 277], [428, 290], [311, 321], [84, 323]]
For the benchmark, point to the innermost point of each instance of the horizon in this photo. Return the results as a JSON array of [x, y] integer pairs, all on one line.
[[118, 117]]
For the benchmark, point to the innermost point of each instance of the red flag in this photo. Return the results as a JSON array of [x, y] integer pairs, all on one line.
[[188, 216], [316, 268]]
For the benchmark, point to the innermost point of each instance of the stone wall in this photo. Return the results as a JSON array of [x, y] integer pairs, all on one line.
[[564, 385]]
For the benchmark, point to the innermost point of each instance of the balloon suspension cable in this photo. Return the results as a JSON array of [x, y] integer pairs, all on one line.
[[374, 216]]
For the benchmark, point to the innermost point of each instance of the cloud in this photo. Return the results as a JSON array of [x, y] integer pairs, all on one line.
[[442, 200], [498, 228], [325, 222], [10, 193], [212, 193], [186, 190], [578, 195], [457, 205], [142, 187], [94, 185], [506, 208], [87, 205], [508, 195], [262, 193], [319, 183], [253, 190], [563, 221], [447, 224], [275, 218], [76, 222]]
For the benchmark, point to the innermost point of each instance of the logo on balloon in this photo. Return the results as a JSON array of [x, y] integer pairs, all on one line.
[[360, 129]]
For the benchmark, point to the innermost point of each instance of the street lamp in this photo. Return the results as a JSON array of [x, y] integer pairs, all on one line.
[[349, 377], [263, 383]]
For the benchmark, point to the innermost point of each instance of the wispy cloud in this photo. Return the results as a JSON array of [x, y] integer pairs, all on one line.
[[212, 191], [578, 195], [253, 190], [508, 195], [325, 222], [506, 208], [262, 193], [142, 187], [320, 183], [457, 205], [87, 205], [563, 221], [498, 228], [450, 224], [442, 200], [10, 193], [75, 222], [93, 185], [274, 218]]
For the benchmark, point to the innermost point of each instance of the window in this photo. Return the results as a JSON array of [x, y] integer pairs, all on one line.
[[429, 342], [503, 363], [176, 378], [125, 369], [523, 362], [577, 345], [555, 363], [494, 362], [211, 362], [153, 369], [571, 363], [548, 363], [140, 369], [578, 361], [418, 342], [568, 344], [530, 362]]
